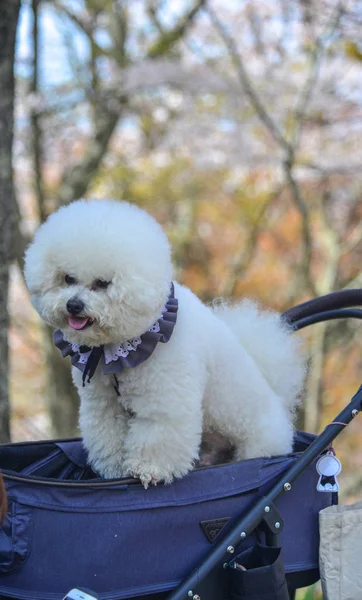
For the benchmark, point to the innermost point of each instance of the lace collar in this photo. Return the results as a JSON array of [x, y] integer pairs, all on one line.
[[114, 358]]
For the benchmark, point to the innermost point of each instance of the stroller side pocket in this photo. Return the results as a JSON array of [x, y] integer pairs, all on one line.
[[259, 575], [15, 538]]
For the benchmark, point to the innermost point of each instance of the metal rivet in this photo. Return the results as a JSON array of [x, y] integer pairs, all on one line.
[[267, 509], [190, 594], [225, 566], [243, 535], [277, 525], [354, 412], [196, 597], [230, 549], [287, 486]]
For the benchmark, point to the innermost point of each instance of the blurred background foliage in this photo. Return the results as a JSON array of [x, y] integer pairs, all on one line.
[[238, 126]]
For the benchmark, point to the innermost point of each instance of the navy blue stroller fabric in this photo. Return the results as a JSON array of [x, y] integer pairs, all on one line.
[[68, 528], [263, 576]]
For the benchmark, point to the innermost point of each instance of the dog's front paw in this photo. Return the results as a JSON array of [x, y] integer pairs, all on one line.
[[152, 474]]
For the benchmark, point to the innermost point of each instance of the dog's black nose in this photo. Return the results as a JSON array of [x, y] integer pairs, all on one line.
[[75, 306]]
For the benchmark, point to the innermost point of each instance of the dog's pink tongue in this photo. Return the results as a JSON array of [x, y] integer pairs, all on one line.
[[78, 322]]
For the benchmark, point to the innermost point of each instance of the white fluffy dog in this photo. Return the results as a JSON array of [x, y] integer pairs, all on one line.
[[101, 272]]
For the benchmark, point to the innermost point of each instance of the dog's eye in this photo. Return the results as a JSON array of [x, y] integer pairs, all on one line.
[[69, 280], [100, 283]]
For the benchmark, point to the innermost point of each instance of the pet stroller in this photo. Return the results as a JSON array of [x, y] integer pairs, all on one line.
[[193, 539]]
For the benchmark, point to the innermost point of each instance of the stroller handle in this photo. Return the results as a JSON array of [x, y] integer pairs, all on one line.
[[330, 303]]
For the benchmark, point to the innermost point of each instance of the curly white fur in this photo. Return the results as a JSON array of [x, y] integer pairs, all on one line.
[[230, 369]]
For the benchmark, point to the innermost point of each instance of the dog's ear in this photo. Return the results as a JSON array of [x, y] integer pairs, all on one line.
[[3, 501]]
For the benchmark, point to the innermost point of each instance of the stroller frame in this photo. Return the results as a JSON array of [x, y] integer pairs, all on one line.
[[325, 308], [215, 575]]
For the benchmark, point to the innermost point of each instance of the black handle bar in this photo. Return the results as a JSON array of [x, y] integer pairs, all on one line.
[[336, 301]]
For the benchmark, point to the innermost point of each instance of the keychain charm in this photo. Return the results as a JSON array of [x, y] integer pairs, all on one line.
[[328, 467]]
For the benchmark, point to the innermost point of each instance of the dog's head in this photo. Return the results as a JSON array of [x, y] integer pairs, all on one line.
[[100, 270]]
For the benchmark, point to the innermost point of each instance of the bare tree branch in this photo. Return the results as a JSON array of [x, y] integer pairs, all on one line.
[[76, 179], [21, 241], [307, 242], [169, 38], [34, 121], [86, 28], [266, 119], [289, 146], [244, 258], [246, 83], [326, 283], [354, 239], [348, 169], [355, 282], [312, 405], [254, 23], [299, 115], [315, 63], [118, 29], [152, 13], [302, 104]]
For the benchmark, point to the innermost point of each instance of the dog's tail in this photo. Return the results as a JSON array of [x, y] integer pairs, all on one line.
[[269, 341]]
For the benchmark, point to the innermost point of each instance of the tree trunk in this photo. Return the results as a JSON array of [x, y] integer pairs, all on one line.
[[9, 12], [62, 398], [62, 395]]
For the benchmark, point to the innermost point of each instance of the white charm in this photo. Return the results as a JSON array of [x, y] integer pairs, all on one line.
[[328, 467]]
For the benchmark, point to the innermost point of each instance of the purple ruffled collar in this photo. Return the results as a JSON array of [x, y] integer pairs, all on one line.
[[114, 358]]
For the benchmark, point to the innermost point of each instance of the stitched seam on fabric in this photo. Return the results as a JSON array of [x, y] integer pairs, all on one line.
[[130, 507]]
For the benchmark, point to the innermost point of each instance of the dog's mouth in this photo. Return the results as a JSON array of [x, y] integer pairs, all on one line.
[[79, 322]]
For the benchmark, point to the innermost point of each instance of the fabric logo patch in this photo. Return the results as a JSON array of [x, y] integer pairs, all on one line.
[[213, 528]]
